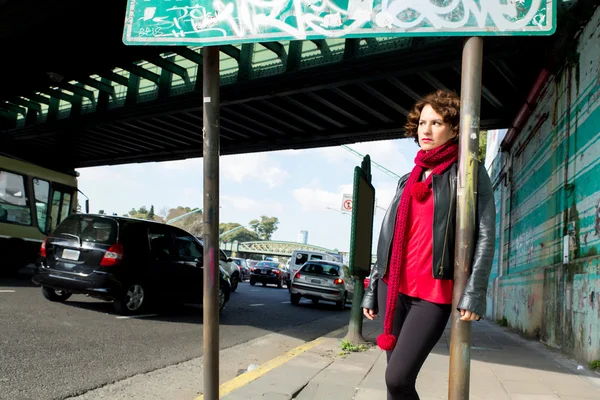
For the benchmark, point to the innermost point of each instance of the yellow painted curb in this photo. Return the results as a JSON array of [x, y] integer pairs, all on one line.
[[250, 376]]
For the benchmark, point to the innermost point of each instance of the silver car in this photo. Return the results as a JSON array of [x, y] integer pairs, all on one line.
[[322, 280]]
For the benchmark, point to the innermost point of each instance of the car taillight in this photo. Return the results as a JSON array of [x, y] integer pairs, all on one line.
[[43, 248], [276, 271], [297, 276], [338, 281], [113, 256]]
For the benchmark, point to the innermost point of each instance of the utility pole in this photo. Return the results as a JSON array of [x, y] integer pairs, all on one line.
[[466, 203]]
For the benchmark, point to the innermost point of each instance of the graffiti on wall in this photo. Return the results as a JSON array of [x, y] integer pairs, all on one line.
[[597, 219], [525, 247], [229, 21]]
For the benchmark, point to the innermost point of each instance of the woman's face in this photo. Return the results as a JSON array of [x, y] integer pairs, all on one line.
[[433, 131]]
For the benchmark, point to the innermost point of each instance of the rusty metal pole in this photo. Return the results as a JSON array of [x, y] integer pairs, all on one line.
[[460, 337], [210, 136]]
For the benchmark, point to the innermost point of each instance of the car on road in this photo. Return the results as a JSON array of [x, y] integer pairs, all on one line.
[[243, 268], [132, 262], [228, 265], [322, 280], [266, 272]]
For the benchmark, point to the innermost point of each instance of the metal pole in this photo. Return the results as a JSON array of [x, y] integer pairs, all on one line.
[[355, 326], [210, 133], [460, 337]]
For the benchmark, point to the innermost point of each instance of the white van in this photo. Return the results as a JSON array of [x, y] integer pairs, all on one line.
[[299, 257]]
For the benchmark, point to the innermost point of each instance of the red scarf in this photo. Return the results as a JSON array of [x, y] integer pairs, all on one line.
[[439, 160]]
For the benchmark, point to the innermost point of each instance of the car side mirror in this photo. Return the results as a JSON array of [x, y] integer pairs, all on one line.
[[229, 259]]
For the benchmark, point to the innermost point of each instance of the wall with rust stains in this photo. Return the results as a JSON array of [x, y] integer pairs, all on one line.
[[547, 193]]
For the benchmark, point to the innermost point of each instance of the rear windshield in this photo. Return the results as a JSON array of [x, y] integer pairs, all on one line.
[[322, 269], [267, 264], [88, 229]]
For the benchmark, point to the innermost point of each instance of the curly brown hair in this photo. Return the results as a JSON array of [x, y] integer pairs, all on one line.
[[444, 102]]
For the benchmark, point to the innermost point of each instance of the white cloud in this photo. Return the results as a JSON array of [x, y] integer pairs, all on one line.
[[314, 199], [188, 164], [264, 206], [254, 166], [391, 154]]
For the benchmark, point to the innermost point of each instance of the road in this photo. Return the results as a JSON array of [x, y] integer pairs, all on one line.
[[53, 351]]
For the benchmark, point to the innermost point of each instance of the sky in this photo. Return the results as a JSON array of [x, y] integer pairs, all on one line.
[[302, 188]]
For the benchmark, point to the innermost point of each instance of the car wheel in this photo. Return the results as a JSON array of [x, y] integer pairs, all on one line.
[[252, 282], [132, 299], [55, 295], [264, 284], [295, 299], [341, 305], [315, 301], [235, 279], [221, 298]]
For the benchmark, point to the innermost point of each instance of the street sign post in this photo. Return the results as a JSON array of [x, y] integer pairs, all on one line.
[[361, 239], [347, 202], [208, 22]]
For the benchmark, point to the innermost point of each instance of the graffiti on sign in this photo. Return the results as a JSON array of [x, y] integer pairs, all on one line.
[[238, 21]]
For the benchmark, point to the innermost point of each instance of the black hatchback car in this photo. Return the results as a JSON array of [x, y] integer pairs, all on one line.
[[132, 262]]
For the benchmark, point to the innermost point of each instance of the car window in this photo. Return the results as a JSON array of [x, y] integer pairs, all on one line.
[[160, 243], [268, 264], [88, 229], [322, 269], [188, 249]]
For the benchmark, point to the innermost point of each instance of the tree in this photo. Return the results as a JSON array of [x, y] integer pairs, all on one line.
[[482, 145], [241, 235], [192, 223], [265, 227], [151, 213]]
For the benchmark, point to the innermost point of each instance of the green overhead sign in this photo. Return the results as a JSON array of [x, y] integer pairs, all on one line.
[[218, 22]]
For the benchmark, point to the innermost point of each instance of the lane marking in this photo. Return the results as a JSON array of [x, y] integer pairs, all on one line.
[[7, 291], [136, 316], [286, 302], [256, 305], [250, 376]]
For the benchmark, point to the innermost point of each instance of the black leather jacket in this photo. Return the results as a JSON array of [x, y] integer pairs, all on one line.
[[444, 218]]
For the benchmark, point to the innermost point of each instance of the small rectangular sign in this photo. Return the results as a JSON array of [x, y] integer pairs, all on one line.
[[219, 22]]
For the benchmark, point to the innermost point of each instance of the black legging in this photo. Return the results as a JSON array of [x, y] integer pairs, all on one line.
[[418, 325]]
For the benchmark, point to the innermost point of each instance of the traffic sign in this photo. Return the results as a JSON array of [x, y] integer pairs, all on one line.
[[207, 22], [347, 202]]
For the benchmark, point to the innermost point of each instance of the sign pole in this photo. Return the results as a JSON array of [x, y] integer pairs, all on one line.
[[210, 134], [361, 239], [460, 336]]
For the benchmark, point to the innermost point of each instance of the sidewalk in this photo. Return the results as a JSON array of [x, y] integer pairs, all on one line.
[[503, 366]]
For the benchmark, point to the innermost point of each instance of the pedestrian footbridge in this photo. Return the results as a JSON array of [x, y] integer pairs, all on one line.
[[275, 248]]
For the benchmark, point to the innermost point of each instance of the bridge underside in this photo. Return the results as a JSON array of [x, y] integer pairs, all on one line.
[[68, 105]]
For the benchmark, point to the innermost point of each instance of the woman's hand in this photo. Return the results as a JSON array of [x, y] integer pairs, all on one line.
[[467, 315], [370, 313]]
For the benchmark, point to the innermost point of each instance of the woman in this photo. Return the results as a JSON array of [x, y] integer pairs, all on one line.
[[411, 284]]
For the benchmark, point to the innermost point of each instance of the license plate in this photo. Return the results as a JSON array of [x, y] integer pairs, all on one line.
[[315, 281], [70, 254]]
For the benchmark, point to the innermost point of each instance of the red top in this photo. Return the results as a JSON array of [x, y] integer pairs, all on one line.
[[416, 276]]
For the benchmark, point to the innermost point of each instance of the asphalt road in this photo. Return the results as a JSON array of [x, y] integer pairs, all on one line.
[[52, 350]]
